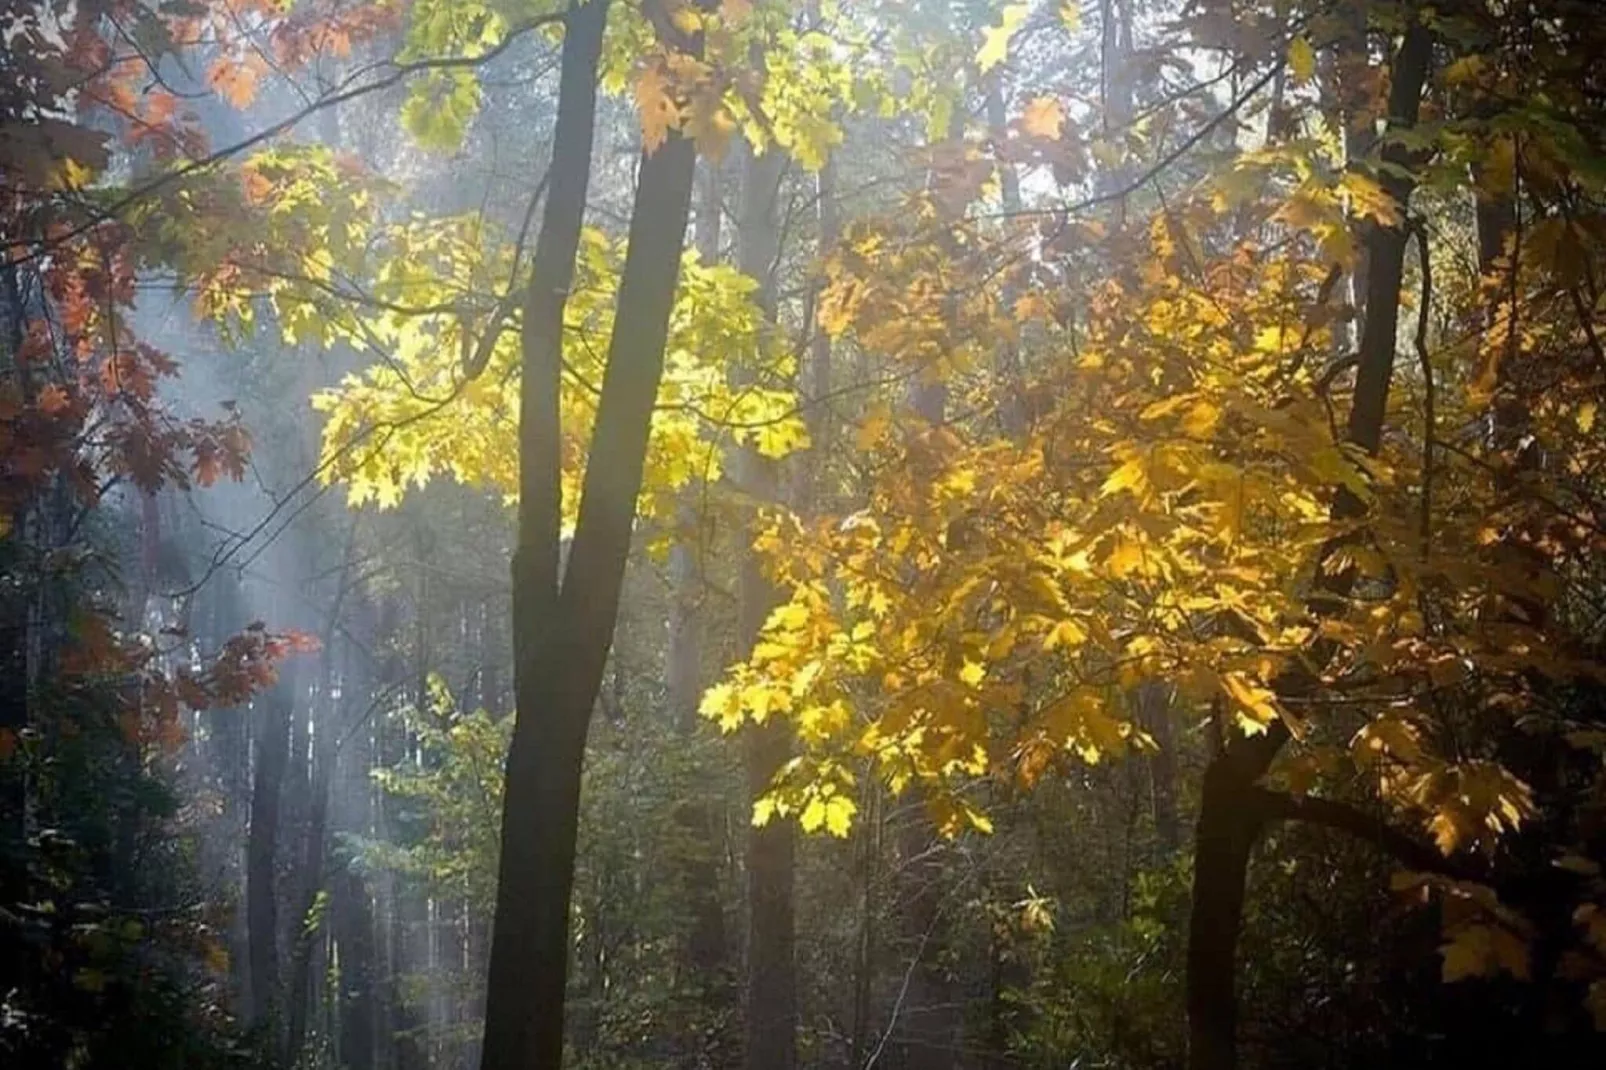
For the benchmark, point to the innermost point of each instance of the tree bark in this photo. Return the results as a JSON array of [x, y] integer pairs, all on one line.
[[272, 739], [525, 983], [1230, 821], [559, 670], [771, 967], [707, 947]]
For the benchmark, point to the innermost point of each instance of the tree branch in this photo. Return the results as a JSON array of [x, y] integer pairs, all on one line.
[[1333, 814]]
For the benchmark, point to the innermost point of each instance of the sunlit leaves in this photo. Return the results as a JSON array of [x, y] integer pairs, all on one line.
[[438, 110], [660, 113], [411, 417], [1043, 117], [236, 77], [1301, 60], [995, 39]]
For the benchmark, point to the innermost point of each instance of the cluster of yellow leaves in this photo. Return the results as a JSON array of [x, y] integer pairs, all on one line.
[[991, 604]]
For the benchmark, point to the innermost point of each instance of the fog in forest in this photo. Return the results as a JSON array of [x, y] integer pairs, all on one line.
[[764, 535]]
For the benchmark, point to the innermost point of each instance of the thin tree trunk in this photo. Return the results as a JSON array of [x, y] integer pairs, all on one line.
[[1154, 712], [706, 948], [272, 739], [354, 951], [772, 1014]]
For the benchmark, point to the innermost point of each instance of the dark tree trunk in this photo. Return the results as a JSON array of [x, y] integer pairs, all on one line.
[[559, 670], [354, 952], [1229, 824], [771, 959], [1154, 711], [272, 744]]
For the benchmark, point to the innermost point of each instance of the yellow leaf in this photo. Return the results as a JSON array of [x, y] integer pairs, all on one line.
[[995, 39], [722, 703], [1301, 60], [1043, 117], [1066, 633], [1071, 15], [1126, 558], [813, 815], [873, 427], [839, 811], [1256, 704], [1130, 476], [1467, 954], [1586, 416], [978, 820], [973, 673], [1367, 199]]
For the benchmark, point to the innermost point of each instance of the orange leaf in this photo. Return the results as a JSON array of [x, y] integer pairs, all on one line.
[[257, 186], [659, 112], [236, 80], [1043, 118]]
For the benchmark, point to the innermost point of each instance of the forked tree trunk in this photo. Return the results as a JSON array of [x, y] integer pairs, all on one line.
[[562, 631]]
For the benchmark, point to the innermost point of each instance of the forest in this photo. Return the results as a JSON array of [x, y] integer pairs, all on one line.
[[814, 535]]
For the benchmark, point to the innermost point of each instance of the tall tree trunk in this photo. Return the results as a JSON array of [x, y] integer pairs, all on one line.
[[771, 962], [354, 953], [529, 947], [559, 670], [706, 948], [1228, 823], [272, 744], [1154, 714], [351, 908]]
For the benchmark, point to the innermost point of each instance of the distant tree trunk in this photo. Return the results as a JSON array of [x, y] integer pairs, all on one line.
[[1154, 713], [1228, 823], [354, 950], [772, 1014], [706, 947], [271, 739], [864, 957], [305, 936], [351, 904], [559, 668]]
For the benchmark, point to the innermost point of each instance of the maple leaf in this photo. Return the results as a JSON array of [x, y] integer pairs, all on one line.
[[659, 112], [995, 39], [1301, 60], [236, 80], [1043, 117]]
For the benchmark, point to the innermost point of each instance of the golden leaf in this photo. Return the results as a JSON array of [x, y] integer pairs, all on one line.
[[1043, 117], [995, 39], [1301, 60], [659, 112]]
